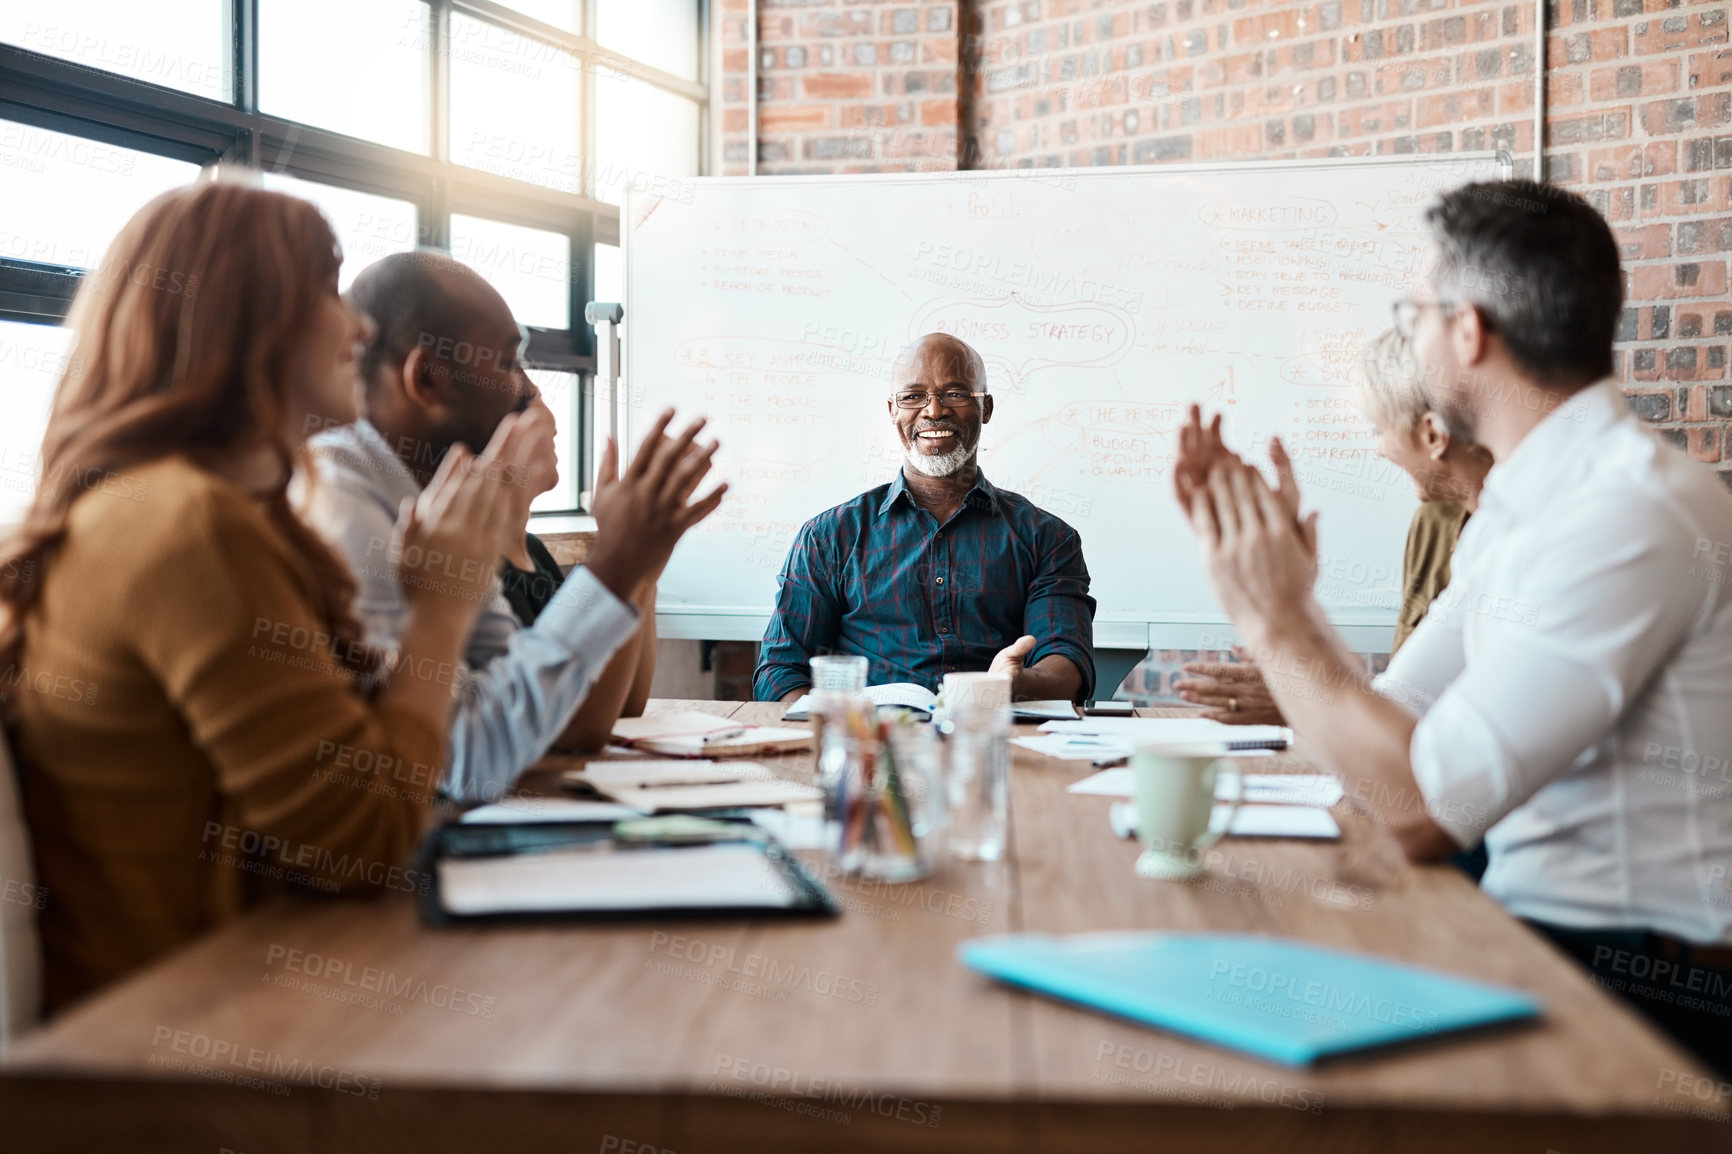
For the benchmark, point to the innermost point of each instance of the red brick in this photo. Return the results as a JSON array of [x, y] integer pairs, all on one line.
[[1627, 81], [1453, 107], [795, 117], [1663, 282], [1645, 243], [938, 112], [1631, 161], [1705, 443], [1654, 36], [837, 85]]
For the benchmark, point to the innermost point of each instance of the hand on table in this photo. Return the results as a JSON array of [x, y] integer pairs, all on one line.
[[1235, 693], [1009, 660]]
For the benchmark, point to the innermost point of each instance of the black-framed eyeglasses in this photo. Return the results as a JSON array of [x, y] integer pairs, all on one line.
[[1407, 312], [920, 398]]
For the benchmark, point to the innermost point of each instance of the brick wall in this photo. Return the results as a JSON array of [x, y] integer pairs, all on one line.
[[843, 87], [1638, 119]]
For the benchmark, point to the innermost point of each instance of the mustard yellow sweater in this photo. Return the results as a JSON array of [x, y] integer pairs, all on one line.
[[187, 745]]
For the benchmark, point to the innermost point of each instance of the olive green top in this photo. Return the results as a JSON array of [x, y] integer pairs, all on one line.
[[1431, 539]]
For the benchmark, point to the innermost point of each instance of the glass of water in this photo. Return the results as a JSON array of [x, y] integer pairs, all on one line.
[[838, 673], [977, 781]]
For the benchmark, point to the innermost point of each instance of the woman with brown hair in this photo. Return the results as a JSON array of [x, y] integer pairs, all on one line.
[[195, 722]]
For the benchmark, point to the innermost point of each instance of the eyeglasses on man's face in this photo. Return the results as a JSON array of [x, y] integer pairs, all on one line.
[[920, 398], [1407, 312]]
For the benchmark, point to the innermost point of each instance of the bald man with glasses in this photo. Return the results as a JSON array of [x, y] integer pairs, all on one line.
[[937, 571]]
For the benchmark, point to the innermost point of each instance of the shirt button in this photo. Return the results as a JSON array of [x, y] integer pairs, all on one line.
[[941, 580], [941, 534]]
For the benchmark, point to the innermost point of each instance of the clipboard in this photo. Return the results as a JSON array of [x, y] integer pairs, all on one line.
[[584, 871]]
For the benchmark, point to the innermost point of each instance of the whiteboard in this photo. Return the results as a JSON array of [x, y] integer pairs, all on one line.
[[1103, 300]]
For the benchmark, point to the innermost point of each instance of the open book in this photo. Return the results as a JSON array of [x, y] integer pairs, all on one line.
[[896, 695]]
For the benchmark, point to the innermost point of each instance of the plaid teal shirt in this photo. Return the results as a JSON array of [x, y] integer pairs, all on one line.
[[879, 576]]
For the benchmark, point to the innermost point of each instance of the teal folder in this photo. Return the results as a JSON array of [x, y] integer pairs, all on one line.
[[1281, 1000]]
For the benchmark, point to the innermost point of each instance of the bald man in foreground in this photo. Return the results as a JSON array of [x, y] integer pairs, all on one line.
[[937, 571]]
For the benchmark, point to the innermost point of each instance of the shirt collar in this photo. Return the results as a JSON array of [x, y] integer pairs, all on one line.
[[1537, 471], [981, 495]]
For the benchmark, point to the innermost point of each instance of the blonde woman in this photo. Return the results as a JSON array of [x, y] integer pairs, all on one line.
[[1447, 469]]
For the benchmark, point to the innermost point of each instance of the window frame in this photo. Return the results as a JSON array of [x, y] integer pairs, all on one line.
[[62, 95]]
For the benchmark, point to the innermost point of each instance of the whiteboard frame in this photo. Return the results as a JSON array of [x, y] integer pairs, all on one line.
[[1364, 632]]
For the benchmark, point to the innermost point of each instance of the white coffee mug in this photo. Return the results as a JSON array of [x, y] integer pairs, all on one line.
[[986, 690], [1174, 789]]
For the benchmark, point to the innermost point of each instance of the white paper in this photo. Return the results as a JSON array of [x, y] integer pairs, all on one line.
[[1072, 749], [581, 879], [1106, 783], [523, 809], [1278, 821], [655, 773], [725, 795], [1043, 710], [797, 827], [1117, 782], [755, 739], [1314, 789], [902, 694], [1249, 821], [671, 725], [1138, 731]]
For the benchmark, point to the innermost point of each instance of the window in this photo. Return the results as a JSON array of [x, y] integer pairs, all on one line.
[[367, 226], [67, 196], [530, 267], [661, 33], [32, 358], [180, 44], [561, 391], [358, 67], [495, 75], [506, 132], [646, 139]]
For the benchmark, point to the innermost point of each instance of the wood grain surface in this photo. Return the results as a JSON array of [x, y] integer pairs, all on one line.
[[317, 1026]]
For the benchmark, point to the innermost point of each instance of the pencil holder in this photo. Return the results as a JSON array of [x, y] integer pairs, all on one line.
[[883, 807]]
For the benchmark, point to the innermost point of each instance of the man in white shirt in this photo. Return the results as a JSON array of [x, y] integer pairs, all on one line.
[[1569, 696], [441, 367]]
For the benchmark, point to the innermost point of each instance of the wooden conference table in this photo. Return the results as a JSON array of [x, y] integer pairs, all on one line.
[[370, 1032]]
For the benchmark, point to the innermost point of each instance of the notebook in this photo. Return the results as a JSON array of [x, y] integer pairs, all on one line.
[[1056, 710], [1135, 732], [499, 872], [741, 741], [895, 695], [1284, 1001], [629, 731], [673, 786]]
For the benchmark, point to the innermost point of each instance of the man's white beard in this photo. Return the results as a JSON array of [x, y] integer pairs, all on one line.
[[939, 465]]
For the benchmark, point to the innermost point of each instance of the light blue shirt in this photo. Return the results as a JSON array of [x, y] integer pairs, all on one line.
[[524, 684]]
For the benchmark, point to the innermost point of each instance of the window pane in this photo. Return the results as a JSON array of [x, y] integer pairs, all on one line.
[[358, 67], [66, 196], [530, 268], [646, 139], [514, 106], [180, 44], [564, 14], [659, 32], [32, 357], [560, 391], [367, 226]]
